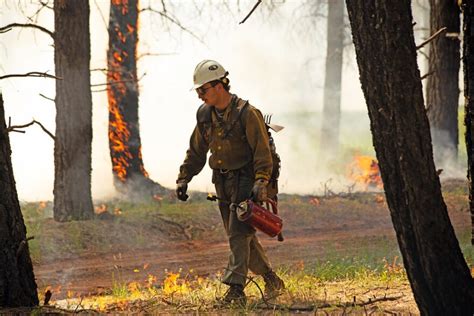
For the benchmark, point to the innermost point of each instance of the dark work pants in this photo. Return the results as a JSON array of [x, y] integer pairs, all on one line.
[[246, 251]]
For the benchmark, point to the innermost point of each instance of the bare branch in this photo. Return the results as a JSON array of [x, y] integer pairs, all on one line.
[[43, 5], [251, 11], [174, 21], [101, 90], [427, 75], [99, 69], [163, 5], [424, 54], [154, 54], [8, 27], [14, 128], [31, 74], [118, 81], [101, 13], [47, 98], [432, 37]]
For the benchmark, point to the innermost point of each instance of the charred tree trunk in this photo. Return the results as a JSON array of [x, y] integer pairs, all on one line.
[[443, 83], [332, 85], [17, 281], [130, 176], [72, 146], [386, 55], [468, 63]]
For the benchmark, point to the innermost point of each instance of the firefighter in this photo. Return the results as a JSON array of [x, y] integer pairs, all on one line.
[[242, 164]]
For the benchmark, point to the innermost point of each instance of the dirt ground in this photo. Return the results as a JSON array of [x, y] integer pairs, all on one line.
[[314, 228]]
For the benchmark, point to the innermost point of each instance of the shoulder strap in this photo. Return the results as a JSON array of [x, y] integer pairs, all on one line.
[[203, 116], [242, 110]]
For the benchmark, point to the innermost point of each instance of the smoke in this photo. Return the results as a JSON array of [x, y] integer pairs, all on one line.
[[449, 161], [276, 61]]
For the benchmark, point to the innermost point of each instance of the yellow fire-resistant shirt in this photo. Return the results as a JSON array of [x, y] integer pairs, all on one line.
[[231, 147]]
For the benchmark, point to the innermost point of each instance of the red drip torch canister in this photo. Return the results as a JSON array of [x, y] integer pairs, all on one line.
[[260, 218]]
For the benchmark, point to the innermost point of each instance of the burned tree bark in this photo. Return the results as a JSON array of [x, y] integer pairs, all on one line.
[[72, 146], [468, 67], [386, 55], [17, 281], [130, 176], [443, 83], [332, 83]]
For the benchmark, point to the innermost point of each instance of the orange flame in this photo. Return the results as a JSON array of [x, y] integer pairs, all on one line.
[[119, 131], [365, 170], [101, 209]]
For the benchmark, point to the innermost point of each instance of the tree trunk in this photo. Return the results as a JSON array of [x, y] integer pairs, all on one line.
[[17, 281], [72, 146], [130, 176], [332, 84], [468, 63], [386, 55], [443, 83]]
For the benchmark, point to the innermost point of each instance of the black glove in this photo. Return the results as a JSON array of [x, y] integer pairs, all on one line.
[[259, 190], [181, 188]]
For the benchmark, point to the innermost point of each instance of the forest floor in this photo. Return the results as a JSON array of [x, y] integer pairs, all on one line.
[[339, 255]]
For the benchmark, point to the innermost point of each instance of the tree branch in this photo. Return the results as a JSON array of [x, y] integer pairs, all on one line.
[[176, 22], [118, 81], [14, 128], [154, 54], [251, 11], [31, 74], [424, 54], [432, 37], [427, 75], [8, 27], [35, 15], [47, 98]]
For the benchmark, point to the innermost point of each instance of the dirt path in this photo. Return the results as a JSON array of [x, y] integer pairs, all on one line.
[[91, 273], [305, 241]]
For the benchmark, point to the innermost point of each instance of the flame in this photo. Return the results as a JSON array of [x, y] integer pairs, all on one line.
[[365, 170], [173, 284], [314, 201], [121, 77], [101, 209], [158, 199], [379, 198]]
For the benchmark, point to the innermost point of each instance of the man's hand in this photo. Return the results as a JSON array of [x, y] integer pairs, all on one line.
[[181, 188], [259, 191]]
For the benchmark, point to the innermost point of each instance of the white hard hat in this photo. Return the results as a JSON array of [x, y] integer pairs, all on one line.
[[207, 71]]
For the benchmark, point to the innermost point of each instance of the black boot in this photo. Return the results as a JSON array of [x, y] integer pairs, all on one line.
[[235, 295], [273, 284]]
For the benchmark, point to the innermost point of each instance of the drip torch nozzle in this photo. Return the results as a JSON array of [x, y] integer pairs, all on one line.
[[212, 197]]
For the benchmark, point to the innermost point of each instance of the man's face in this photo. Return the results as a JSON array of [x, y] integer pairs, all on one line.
[[207, 93]]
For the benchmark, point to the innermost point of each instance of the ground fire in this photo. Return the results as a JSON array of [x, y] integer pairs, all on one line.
[[364, 170]]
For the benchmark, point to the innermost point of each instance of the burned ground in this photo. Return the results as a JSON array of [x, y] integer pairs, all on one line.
[[128, 242]]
